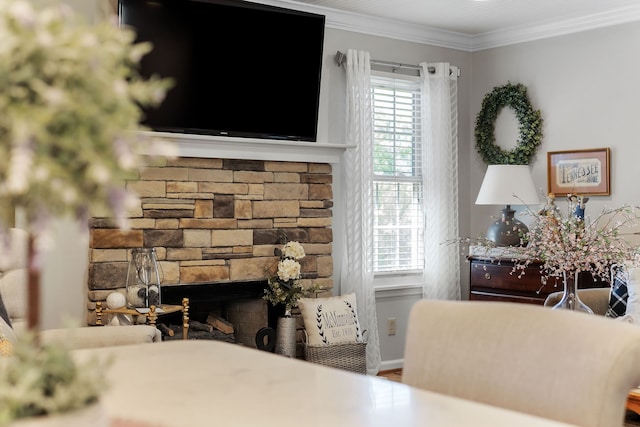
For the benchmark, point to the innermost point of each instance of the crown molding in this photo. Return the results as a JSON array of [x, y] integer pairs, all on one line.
[[365, 24], [399, 30], [382, 27], [517, 35]]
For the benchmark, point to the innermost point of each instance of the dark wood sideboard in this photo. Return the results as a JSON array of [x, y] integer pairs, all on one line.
[[493, 279]]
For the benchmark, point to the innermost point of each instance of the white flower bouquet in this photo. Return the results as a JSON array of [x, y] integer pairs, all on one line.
[[284, 285]]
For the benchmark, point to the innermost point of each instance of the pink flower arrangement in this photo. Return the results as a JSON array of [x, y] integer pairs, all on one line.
[[571, 245]]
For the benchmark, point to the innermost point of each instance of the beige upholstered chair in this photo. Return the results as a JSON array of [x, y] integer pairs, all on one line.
[[597, 299], [13, 294], [556, 364]]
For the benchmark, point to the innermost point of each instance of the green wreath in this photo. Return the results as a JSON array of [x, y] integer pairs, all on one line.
[[530, 125]]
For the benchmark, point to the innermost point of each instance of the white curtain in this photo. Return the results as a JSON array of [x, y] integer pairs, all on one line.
[[357, 267], [441, 279]]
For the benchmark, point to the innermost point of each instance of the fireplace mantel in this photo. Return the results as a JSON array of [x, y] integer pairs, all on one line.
[[252, 149]]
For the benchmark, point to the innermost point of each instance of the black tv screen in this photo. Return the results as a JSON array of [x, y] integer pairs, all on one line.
[[239, 68]]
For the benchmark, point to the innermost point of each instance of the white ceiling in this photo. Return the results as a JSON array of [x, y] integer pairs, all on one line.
[[473, 17]]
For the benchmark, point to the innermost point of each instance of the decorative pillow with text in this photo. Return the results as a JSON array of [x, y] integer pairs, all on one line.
[[331, 320]]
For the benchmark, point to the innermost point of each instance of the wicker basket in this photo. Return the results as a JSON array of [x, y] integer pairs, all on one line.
[[347, 356]]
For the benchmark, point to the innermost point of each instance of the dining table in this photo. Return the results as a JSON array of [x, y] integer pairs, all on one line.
[[204, 383]]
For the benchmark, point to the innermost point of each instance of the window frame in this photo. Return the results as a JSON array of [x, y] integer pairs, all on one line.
[[398, 278]]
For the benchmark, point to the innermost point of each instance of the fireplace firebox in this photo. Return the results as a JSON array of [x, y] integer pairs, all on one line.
[[240, 303]]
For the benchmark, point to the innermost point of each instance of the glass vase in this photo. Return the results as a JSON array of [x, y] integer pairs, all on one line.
[[143, 279], [570, 299]]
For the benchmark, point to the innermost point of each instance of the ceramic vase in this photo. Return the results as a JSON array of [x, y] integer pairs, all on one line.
[[570, 299]]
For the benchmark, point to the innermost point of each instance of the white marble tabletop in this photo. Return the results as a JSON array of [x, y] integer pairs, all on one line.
[[210, 383]]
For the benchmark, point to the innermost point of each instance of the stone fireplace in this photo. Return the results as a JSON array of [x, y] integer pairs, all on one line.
[[218, 221]]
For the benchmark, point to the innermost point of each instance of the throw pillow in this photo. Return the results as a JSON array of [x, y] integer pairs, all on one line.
[[633, 288], [331, 320], [618, 296], [3, 312], [14, 294]]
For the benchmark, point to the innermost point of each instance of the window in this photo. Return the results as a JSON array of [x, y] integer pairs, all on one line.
[[397, 182]]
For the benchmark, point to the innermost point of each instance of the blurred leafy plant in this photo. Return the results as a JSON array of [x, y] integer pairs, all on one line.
[[71, 100]]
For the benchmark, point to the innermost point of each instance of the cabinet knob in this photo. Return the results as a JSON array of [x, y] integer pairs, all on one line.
[[487, 276]]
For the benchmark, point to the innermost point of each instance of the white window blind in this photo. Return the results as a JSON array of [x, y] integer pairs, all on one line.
[[397, 180]]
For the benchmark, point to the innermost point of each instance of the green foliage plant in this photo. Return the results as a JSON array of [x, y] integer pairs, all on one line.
[[515, 97]]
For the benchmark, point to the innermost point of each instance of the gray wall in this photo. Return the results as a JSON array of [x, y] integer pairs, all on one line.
[[586, 86]]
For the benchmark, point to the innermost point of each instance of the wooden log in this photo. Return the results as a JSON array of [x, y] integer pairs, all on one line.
[[194, 325], [216, 335], [220, 324], [200, 335], [165, 329]]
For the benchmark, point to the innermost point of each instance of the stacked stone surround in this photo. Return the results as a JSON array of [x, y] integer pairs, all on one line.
[[218, 221]]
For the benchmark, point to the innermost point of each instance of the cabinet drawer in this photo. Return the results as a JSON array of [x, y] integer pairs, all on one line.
[[501, 276], [480, 295], [498, 281]]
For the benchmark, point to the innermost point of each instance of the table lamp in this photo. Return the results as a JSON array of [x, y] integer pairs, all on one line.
[[507, 185]]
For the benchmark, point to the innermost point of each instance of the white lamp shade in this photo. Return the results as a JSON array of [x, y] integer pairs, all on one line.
[[508, 185]]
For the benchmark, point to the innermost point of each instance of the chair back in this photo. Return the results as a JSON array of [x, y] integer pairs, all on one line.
[[558, 364]]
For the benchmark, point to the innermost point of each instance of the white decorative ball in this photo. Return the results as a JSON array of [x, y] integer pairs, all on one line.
[[116, 300]]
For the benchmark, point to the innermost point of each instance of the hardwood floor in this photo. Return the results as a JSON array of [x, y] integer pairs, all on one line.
[[392, 374]]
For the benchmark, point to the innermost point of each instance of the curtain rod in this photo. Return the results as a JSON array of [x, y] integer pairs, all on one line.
[[341, 58]]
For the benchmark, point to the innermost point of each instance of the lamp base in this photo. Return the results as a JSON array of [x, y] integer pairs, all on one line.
[[507, 231]]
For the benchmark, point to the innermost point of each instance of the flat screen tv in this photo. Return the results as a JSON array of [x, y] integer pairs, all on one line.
[[239, 68]]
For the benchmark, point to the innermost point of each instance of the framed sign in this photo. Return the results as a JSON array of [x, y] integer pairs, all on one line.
[[579, 172]]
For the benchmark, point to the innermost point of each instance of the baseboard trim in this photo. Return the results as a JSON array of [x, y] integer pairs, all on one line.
[[391, 364]]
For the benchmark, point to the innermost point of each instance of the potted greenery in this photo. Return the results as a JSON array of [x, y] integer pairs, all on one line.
[[71, 101], [285, 289], [41, 385], [284, 285]]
